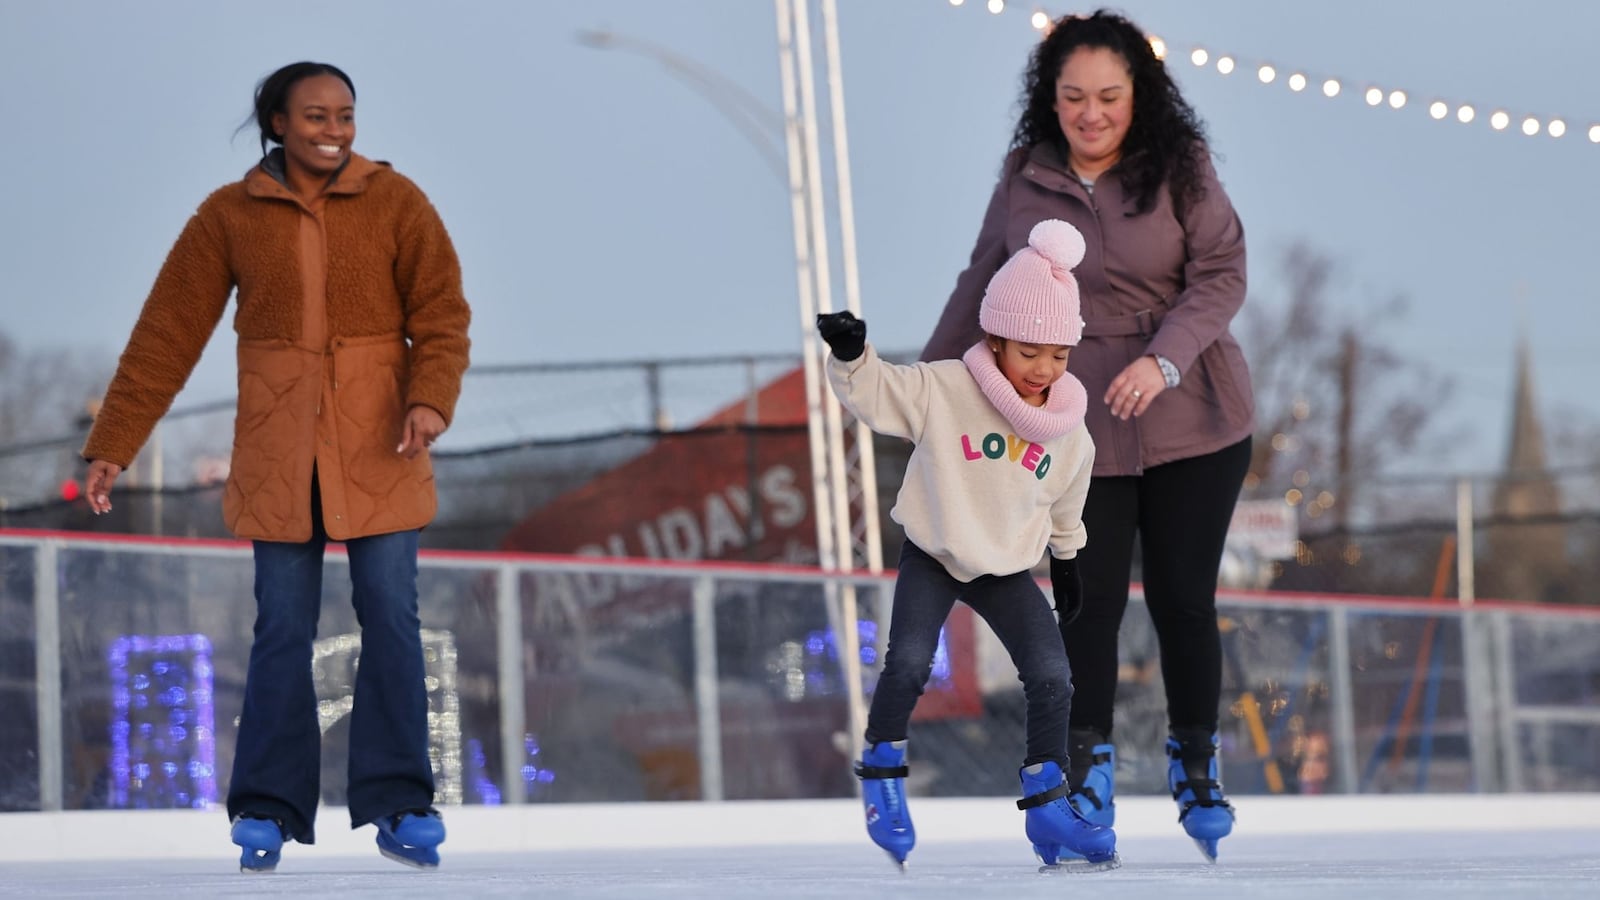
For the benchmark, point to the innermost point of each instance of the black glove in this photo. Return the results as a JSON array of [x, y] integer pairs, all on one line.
[[845, 334], [1067, 586]]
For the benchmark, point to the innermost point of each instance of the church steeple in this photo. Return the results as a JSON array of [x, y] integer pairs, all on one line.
[[1525, 456], [1527, 556]]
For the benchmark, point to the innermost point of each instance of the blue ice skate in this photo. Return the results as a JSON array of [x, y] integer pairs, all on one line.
[[411, 837], [1062, 838], [1095, 794], [260, 840], [1194, 778], [882, 771]]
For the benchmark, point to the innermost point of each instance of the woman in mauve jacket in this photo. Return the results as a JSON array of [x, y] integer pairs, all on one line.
[[1106, 141]]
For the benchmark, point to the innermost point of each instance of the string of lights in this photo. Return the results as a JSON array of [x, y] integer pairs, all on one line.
[[1300, 80]]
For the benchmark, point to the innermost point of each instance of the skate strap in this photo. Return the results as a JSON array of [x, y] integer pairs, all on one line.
[[1089, 794], [863, 771], [1043, 797], [263, 817], [1204, 792]]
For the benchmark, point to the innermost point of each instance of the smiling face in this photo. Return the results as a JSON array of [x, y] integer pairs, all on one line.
[[1030, 368], [1094, 106], [317, 128]]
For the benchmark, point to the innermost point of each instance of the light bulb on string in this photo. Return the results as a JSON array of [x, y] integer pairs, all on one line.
[[1266, 73]]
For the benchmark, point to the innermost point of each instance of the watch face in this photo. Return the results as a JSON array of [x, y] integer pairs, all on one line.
[[1168, 371]]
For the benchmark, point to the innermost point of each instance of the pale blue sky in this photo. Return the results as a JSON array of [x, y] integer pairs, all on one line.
[[603, 208]]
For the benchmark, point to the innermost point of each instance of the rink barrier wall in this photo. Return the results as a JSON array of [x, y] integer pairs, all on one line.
[[1495, 716], [199, 834]]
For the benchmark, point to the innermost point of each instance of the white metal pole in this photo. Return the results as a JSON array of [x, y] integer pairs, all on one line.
[[707, 697], [841, 599], [810, 360], [1465, 588], [866, 477], [823, 276], [866, 463], [47, 673], [510, 676], [1344, 701]]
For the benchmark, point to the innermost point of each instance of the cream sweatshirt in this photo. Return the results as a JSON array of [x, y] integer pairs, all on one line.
[[976, 497]]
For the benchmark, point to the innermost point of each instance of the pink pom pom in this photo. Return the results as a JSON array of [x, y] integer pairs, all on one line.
[[1058, 242]]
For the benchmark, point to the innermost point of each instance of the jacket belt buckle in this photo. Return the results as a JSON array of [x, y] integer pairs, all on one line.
[[1146, 321]]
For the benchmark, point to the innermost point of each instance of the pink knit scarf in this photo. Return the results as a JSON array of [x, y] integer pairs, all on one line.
[[1062, 411]]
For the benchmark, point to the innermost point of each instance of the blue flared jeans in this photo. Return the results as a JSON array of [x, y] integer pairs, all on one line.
[[277, 762]]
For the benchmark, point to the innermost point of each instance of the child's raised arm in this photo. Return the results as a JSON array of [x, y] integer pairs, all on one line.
[[890, 399]]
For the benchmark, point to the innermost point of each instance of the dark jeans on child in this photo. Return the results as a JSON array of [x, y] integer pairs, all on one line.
[[1021, 617], [277, 761]]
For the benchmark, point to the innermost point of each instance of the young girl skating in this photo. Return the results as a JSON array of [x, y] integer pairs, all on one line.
[[999, 473]]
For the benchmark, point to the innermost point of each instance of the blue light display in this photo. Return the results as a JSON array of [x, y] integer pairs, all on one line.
[[163, 740]]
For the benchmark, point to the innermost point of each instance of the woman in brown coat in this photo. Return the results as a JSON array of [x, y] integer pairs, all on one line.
[[352, 342], [1106, 142]]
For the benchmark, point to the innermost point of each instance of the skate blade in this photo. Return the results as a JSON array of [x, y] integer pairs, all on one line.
[[899, 861], [1208, 849], [404, 860], [258, 863], [1081, 866]]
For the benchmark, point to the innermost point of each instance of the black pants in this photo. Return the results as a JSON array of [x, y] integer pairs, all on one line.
[[1179, 512], [1021, 618]]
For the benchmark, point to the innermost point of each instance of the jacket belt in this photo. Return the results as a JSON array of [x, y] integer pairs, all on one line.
[[1142, 323]]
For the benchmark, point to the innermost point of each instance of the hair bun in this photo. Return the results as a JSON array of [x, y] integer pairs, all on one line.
[[1058, 242]]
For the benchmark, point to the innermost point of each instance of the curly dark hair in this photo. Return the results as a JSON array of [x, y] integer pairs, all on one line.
[[1166, 139]]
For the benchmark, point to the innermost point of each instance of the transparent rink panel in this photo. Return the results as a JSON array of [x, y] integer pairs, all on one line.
[[19, 699], [155, 648], [612, 706], [1555, 671], [608, 688], [783, 688], [1274, 724], [1276, 721], [1411, 728]]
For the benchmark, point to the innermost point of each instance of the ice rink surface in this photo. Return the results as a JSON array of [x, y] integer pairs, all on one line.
[[1338, 847]]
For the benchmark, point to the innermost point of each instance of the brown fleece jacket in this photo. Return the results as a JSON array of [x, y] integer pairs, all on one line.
[[395, 337]]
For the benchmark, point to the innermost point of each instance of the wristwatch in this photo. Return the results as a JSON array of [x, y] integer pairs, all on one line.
[[1168, 370]]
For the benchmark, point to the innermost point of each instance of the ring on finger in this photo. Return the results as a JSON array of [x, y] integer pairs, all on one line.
[[1137, 393]]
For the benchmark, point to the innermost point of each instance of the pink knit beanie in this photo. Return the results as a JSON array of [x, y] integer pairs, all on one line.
[[1034, 297]]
